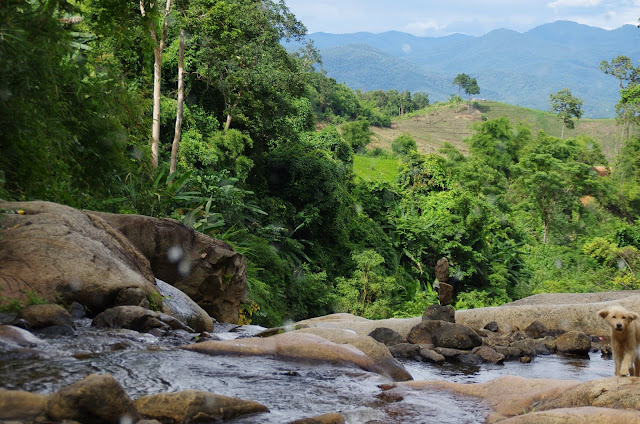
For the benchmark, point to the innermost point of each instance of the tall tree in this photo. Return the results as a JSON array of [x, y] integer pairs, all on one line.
[[461, 80], [567, 107], [621, 67], [147, 10], [239, 55], [179, 107], [471, 87]]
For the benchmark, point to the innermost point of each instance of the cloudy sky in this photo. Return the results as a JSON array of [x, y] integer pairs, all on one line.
[[435, 18]]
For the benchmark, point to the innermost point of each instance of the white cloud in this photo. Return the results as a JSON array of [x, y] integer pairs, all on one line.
[[423, 28], [573, 3], [406, 48]]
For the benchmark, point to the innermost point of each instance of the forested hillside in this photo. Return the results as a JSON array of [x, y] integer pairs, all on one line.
[[511, 67], [194, 110]]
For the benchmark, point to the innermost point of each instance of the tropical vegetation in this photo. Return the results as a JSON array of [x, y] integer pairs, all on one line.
[[275, 158]]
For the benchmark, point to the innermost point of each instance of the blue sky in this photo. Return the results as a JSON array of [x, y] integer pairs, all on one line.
[[434, 18]]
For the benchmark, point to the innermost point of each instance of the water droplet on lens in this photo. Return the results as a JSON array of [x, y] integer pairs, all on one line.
[[175, 254]]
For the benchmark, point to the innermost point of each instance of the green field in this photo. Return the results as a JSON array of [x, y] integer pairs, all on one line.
[[376, 168], [444, 122]]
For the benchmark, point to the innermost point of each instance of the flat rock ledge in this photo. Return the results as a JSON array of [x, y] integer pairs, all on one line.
[[518, 400], [557, 311], [336, 347]]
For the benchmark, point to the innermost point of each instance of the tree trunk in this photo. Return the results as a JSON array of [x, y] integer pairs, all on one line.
[[157, 74], [155, 127], [545, 236], [562, 134], [227, 124], [178, 130]]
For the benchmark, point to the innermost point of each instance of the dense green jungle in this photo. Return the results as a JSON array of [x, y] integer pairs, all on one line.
[[264, 146]]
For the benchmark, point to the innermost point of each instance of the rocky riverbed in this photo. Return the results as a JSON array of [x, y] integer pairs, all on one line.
[[329, 369], [140, 340]]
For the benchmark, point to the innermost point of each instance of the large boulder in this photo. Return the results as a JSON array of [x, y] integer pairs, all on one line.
[[193, 406], [209, 271], [98, 399], [561, 311], [54, 251]]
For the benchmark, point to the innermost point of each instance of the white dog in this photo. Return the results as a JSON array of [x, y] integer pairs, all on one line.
[[625, 336]]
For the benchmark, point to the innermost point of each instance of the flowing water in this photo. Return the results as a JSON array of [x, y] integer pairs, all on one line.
[[144, 364]]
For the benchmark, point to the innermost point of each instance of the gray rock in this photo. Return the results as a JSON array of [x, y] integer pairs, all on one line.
[[574, 342], [439, 313], [492, 326], [488, 354], [422, 332], [455, 336], [77, 311], [428, 355], [468, 360], [536, 329], [442, 270], [451, 353], [138, 319], [387, 336], [404, 350], [40, 316], [180, 306]]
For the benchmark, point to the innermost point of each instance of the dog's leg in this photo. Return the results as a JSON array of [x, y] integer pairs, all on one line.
[[626, 365]]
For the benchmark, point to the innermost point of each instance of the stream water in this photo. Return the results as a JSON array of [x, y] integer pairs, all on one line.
[[144, 364]]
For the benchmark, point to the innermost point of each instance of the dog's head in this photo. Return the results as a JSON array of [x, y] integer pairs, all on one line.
[[618, 317]]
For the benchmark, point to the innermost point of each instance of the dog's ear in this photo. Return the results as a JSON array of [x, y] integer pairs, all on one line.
[[603, 313], [632, 316]]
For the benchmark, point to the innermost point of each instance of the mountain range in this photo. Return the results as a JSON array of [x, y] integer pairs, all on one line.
[[517, 68]]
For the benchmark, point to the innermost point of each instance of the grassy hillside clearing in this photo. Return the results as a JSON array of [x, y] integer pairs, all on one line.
[[443, 122], [376, 168]]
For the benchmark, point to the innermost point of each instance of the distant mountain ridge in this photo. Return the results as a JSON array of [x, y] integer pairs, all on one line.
[[512, 67]]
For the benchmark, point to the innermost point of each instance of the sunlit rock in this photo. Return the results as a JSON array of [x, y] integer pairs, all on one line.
[[95, 399], [19, 405], [192, 406], [56, 252]]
